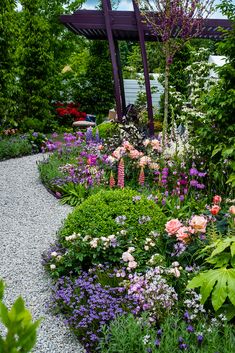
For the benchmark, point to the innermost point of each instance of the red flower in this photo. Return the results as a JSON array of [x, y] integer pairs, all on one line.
[[214, 210]]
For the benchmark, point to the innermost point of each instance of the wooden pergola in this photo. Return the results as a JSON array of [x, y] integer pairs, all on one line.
[[127, 25]]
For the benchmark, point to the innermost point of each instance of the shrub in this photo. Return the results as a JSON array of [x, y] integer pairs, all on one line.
[[107, 129], [14, 147], [106, 227]]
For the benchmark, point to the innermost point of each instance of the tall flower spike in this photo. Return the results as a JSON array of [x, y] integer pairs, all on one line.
[[121, 174], [141, 177], [111, 180]]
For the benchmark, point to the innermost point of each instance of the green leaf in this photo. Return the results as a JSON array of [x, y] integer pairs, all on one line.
[[1, 289], [219, 293], [4, 315], [231, 285], [232, 249], [222, 244]]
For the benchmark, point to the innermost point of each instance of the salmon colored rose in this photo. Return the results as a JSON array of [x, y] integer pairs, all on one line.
[[184, 233], [198, 223], [232, 210], [215, 210], [173, 226]]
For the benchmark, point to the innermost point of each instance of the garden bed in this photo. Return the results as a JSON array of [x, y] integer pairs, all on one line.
[[147, 251]]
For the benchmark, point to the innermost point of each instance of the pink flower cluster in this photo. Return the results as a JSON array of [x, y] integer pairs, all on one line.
[[176, 228]]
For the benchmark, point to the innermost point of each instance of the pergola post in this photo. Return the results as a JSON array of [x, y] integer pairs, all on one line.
[[145, 65], [121, 82], [106, 8]]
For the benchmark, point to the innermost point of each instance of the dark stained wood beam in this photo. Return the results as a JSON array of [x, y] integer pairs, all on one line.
[[91, 24]]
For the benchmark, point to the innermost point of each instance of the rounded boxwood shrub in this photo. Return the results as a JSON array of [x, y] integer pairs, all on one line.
[[97, 216], [120, 227]]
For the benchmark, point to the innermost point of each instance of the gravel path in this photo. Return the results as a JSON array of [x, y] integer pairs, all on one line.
[[29, 219]]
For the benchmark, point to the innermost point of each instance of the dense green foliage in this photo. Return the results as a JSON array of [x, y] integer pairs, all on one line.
[[14, 147], [7, 61], [126, 334], [21, 331]]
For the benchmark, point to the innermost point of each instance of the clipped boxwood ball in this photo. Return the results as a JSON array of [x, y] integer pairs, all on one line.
[[107, 212]]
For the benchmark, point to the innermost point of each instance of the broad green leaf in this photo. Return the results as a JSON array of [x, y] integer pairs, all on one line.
[[222, 245], [231, 285], [4, 315], [220, 291], [232, 249]]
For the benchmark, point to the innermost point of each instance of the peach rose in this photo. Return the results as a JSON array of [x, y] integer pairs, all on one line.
[[144, 161], [215, 210], [172, 226], [134, 154], [232, 209], [198, 223], [184, 233], [155, 145], [127, 145]]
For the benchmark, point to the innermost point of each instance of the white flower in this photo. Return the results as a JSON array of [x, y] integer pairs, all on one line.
[[54, 254], [52, 267], [126, 256], [104, 239], [132, 264], [123, 232], [58, 258], [87, 237], [94, 243], [146, 247], [111, 237], [175, 264], [131, 249]]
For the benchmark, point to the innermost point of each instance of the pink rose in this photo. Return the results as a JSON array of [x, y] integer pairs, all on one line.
[[184, 233], [134, 154], [214, 210], [217, 199], [172, 226], [198, 223], [232, 210]]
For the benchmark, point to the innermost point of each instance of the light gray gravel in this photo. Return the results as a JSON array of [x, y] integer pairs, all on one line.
[[29, 219]]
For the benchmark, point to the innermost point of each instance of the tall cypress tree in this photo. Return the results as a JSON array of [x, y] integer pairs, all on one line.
[[37, 63], [7, 104]]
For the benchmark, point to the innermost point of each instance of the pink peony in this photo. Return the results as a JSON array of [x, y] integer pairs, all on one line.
[[198, 223], [172, 226], [215, 210], [217, 199], [184, 233]]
